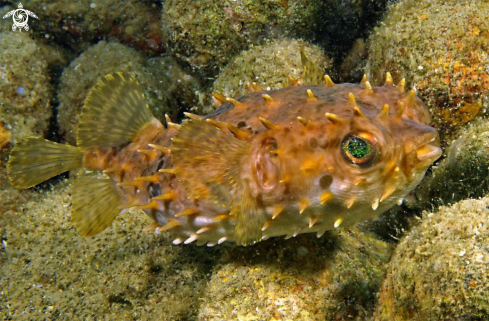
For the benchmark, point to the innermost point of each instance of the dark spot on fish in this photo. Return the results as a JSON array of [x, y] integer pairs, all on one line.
[[313, 143], [241, 124], [323, 143], [325, 181]]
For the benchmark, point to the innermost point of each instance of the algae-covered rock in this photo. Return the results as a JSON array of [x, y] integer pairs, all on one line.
[[48, 271], [335, 277], [25, 89], [463, 173], [77, 24], [353, 65], [442, 49], [205, 35], [269, 66], [6, 24], [167, 88], [439, 271], [177, 90]]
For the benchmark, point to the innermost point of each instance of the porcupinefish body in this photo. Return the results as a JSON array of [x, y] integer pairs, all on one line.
[[282, 162]]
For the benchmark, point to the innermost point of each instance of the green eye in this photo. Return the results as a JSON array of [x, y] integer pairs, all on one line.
[[359, 148]]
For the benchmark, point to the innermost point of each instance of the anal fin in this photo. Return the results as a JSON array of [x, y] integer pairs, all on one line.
[[95, 204]]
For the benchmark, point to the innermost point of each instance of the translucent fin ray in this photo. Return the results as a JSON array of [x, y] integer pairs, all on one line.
[[313, 74], [114, 112], [95, 204], [249, 223], [35, 159], [209, 162]]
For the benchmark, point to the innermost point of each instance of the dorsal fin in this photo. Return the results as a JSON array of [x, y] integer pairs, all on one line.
[[114, 112], [95, 204], [313, 74]]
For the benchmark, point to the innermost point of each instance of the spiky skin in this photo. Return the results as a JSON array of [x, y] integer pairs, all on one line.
[[293, 174]]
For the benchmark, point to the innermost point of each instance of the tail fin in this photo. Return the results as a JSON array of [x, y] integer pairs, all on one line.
[[35, 160], [115, 113]]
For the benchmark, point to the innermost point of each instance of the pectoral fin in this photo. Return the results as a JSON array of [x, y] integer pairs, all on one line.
[[211, 164], [249, 223]]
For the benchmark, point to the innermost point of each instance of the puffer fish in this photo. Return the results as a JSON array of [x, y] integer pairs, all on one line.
[[301, 159]]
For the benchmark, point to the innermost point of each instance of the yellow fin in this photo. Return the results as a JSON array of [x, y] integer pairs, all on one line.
[[95, 204], [313, 74], [208, 162], [114, 112], [35, 160], [249, 223]]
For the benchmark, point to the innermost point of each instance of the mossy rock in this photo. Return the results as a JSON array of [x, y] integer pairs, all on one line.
[[441, 48]]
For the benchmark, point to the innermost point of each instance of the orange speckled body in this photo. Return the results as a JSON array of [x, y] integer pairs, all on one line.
[[292, 175]]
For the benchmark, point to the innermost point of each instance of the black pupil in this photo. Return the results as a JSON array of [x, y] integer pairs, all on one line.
[[358, 147]]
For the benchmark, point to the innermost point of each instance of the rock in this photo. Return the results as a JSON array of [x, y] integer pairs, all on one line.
[[167, 88], [439, 271], [441, 48], [269, 66], [25, 89]]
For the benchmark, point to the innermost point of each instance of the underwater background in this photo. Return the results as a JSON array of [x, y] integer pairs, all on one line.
[[427, 259]]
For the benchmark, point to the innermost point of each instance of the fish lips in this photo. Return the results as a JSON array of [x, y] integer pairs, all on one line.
[[428, 149]]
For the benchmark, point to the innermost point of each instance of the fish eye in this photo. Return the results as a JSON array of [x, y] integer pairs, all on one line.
[[359, 148]]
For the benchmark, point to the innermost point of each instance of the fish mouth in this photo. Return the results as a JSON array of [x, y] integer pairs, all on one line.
[[429, 150]]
